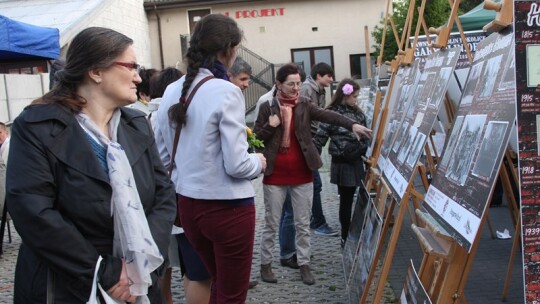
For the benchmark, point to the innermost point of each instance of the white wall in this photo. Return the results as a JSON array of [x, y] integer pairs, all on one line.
[[339, 23], [18, 91], [129, 18]]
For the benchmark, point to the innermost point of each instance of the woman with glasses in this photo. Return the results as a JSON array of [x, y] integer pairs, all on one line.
[[347, 168], [284, 125], [86, 188]]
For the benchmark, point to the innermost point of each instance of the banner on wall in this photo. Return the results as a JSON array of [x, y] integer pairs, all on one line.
[[527, 48]]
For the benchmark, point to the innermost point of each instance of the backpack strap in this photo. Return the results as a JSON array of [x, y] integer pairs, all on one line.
[[179, 126]]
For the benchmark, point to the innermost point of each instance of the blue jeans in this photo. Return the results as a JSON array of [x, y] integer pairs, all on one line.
[[287, 232], [317, 215]]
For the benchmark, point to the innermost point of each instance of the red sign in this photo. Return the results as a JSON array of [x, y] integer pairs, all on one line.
[[263, 12]]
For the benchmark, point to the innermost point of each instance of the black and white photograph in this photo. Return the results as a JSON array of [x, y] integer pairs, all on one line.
[[449, 149], [370, 235], [490, 148], [415, 100], [406, 147], [509, 75], [440, 89], [429, 85], [358, 283], [403, 98], [417, 148], [363, 101], [458, 169], [389, 136], [472, 80], [399, 137], [353, 239], [493, 66], [413, 290]]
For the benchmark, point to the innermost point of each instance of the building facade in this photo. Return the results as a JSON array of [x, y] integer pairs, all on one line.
[[302, 31]]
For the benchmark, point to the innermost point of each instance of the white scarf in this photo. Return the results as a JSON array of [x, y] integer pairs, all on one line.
[[132, 238]]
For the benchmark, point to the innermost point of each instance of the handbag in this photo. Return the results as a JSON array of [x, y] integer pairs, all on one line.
[[177, 221], [353, 151]]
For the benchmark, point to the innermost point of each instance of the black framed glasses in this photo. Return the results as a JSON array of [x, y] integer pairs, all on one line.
[[130, 65]]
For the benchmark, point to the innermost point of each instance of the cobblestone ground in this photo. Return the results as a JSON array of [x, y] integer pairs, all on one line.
[[326, 263]]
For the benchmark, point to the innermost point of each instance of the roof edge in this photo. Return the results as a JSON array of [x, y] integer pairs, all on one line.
[[150, 5]]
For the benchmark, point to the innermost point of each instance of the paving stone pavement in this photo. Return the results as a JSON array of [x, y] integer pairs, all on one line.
[[485, 282], [326, 263]]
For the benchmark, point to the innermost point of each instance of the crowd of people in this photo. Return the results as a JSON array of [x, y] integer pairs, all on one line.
[[136, 171]]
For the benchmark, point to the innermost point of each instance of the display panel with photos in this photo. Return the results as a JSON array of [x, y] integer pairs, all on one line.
[[350, 250], [369, 239], [419, 120], [411, 76], [459, 192], [413, 291], [527, 50]]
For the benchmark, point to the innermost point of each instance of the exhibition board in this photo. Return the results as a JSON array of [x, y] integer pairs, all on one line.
[[458, 195], [410, 76], [413, 291], [419, 119], [527, 50]]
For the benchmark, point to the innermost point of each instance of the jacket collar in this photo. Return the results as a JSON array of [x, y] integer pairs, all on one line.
[[67, 140]]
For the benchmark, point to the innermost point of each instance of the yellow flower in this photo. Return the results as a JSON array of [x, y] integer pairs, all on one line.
[[253, 141]]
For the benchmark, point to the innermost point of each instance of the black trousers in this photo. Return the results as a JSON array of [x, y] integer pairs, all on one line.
[[346, 197]]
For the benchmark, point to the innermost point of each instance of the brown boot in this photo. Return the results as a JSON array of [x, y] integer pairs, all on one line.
[[305, 273], [267, 275]]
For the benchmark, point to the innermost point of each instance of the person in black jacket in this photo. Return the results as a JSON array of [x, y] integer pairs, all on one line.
[[86, 188], [347, 168]]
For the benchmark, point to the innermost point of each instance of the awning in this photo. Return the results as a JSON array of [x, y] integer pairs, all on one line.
[[476, 18], [23, 41]]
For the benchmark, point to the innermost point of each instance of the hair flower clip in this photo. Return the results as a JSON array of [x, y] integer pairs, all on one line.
[[347, 89]]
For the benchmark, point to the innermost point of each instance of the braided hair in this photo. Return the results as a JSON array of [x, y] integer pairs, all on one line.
[[213, 34]]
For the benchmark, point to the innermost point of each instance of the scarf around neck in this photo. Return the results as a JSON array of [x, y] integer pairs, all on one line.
[[286, 105], [133, 240], [219, 70]]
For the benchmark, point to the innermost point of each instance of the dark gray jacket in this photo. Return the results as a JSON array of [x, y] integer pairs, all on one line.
[[340, 137], [311, 91]]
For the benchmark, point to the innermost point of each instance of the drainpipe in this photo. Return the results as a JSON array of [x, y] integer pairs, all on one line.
[[159, 36]]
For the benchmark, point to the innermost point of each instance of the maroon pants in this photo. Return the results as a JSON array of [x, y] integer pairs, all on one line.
[[222, 233]]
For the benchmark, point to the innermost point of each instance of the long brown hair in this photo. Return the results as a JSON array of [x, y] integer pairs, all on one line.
[[213, 34], [337, 99], [92, 48]]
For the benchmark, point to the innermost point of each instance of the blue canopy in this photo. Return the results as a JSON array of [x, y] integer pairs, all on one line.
[[22, 41]]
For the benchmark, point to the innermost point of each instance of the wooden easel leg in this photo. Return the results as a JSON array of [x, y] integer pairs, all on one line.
[[515, 246], [391, 248], [490, 225]]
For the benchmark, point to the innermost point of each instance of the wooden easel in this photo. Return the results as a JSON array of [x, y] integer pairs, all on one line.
[[383, 193], [392, 243], [446, 265], [403, 57], [368, 53]]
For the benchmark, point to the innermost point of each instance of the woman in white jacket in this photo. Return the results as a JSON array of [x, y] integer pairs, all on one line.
[[213, 169]]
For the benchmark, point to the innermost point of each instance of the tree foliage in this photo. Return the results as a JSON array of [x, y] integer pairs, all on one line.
[[436, 13]]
